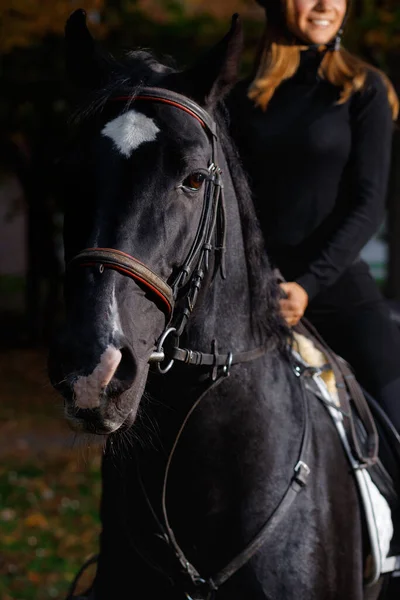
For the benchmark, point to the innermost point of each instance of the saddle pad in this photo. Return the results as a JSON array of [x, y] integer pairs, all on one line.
[[376, 508], [382, 516]]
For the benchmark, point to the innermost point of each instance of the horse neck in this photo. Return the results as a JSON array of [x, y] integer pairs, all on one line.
[[265, 388], [224, 309], [234, 442]]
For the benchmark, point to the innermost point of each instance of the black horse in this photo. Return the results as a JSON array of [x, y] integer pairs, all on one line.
[[257, 475]]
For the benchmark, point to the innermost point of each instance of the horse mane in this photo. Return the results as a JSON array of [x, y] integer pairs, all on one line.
[[264, 288], [140, 68]]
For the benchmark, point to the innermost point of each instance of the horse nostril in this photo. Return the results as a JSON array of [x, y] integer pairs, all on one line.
[[126, 370]]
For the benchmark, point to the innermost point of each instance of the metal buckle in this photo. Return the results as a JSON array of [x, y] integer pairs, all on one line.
[[301, 370], [297, 370], [227, 368], [159, 355], [203, 589], [302, 472]]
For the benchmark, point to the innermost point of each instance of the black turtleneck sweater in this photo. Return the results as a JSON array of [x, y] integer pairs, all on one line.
[[318, 170]]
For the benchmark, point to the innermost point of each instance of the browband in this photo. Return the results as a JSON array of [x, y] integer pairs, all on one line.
[[178, 101]]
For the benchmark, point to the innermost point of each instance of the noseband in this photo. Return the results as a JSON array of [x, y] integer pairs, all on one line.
[[128, 265]]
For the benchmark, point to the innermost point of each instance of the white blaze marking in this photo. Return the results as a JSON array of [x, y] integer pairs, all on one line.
[[130, 130], [116, 321], [87, 389]]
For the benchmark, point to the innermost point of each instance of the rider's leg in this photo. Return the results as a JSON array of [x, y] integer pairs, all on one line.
[[353, 318]]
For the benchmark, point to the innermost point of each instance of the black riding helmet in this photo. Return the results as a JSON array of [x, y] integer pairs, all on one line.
[[275, 11]]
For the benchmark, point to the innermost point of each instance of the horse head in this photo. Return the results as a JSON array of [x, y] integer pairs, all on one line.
[[137, 180]]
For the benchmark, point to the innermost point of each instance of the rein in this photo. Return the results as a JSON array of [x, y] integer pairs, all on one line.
[[204, 588], [178, 307]]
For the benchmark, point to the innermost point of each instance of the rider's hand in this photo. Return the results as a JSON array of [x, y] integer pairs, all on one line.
[[295, 303]]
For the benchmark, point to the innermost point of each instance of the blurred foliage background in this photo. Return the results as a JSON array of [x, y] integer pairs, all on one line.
[[49, 488], [34, 109]]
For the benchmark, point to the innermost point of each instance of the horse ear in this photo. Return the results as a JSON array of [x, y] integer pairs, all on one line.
[[86, 66], [216, 73]]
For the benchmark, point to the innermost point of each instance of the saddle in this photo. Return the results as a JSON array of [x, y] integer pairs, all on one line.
[[370, 441]]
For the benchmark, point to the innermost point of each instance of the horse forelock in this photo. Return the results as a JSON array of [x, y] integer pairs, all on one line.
[[137, 69]]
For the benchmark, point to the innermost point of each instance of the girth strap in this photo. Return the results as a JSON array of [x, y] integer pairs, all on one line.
[[127, 265]]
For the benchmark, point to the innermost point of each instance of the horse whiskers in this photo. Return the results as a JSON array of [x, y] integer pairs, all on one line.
[[126, 438], [135, 436], [146, 431], [149, 400], [49, 384], [118, 441], [144, 414], [151, 424]]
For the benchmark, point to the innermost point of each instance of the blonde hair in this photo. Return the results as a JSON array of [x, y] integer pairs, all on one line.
[[279, 59]]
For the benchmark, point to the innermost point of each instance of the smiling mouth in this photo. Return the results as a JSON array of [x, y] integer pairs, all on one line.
[[321, 23]]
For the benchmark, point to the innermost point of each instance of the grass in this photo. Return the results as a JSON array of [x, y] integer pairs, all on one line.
[[49, 491]]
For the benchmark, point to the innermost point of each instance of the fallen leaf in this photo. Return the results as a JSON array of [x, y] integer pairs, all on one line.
[[36, 520], [34, 577]]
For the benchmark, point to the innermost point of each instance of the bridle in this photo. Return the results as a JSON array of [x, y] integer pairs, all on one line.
[[169, 296], [177, 300]]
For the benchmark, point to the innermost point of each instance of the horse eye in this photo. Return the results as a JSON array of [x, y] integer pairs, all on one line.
[[195, 181]]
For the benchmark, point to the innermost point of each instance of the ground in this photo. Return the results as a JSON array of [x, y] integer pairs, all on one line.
[[49, 486]]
